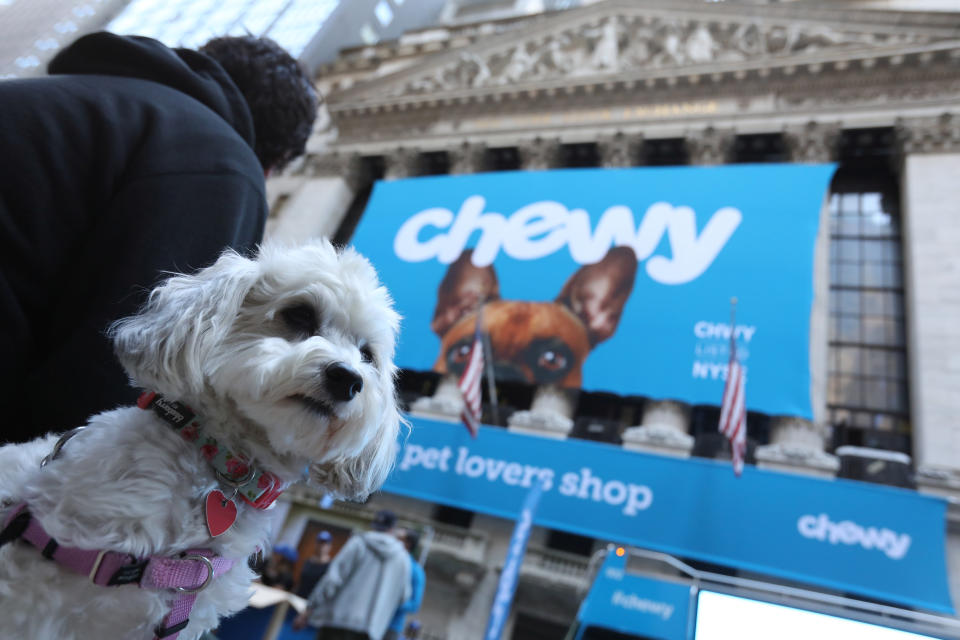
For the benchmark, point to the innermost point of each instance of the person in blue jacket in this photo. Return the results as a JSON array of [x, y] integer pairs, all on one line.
[[410, 539]]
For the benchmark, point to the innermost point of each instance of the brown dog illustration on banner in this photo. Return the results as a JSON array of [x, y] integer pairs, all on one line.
[[535, 342]]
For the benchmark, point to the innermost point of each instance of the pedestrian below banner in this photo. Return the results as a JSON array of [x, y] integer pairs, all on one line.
[[363, 587], [316, 565], [418, 580], [278, 571], [129, 161]]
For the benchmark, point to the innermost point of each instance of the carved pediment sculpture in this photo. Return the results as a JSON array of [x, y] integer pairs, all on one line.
[[621, 43]]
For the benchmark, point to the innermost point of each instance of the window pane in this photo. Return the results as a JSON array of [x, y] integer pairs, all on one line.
[[848, 391], [849, 359], [875, 274], [849, 204], [875, 362], [849, 275], [873, 303], [849, 302], [848, 250], [877, 394], [873, 250], [849, 329], [871, 202]]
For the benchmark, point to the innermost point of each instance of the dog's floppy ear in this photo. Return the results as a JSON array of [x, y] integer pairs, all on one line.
[[597, 293], [163, 347], [463, 288]]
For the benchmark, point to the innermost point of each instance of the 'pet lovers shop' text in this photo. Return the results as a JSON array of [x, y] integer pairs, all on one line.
[[582, 484]]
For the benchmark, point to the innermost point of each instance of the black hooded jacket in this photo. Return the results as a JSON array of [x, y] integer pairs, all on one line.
[[130, 160]]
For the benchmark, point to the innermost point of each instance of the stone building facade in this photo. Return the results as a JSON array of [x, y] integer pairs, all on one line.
[[623, 83]]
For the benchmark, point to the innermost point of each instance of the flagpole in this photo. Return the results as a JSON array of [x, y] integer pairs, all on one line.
[[488, 365]]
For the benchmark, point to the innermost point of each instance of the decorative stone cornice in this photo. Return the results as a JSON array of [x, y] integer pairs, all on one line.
[[540, 153], [467, 158], [620, 150], [710, 146], [813, 142], [940, 134]]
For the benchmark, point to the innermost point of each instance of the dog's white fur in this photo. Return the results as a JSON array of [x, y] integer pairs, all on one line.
[[217, 341]]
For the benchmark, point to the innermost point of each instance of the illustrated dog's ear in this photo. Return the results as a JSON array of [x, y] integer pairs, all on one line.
[[463, 288], [597, 293], [164, 346]]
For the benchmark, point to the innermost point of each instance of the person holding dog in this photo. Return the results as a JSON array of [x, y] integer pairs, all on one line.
[[363, 587], [129, 161]]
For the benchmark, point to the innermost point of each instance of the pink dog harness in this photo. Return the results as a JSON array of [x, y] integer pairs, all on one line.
[[189, 574], [193, 570]]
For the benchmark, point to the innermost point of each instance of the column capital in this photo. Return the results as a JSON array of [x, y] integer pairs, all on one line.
[[620, 149], [335, 164], [402, 162], [796, 446], [710, 146], [936, 134], [813, 141], [540, 153], [467, 157]]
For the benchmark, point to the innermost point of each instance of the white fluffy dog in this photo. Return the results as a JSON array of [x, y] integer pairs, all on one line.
[[286, 361]]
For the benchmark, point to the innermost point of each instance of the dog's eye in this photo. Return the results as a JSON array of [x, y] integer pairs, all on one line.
[[551, 360], [301, 318], [459, 353], [366, 353]]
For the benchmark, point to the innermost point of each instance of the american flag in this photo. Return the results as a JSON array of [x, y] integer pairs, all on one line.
[[733, 409], [470, 380]]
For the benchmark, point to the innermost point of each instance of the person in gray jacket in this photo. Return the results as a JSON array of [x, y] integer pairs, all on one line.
[[363, 586]]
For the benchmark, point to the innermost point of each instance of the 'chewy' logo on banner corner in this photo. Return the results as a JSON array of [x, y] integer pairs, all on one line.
[[893, 544], [608, 279]]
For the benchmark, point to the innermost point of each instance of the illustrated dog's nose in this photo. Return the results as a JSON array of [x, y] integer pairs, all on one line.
[[343, 383]]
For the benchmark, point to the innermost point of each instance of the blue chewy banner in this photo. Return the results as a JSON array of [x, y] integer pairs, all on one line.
[[511, 566], [608, 279], [635, 605], [875, 541]]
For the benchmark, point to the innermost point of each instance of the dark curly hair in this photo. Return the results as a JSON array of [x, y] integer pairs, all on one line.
[[278, 91]]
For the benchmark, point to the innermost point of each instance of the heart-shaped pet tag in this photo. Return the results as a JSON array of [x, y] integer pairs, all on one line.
[[221, 513]]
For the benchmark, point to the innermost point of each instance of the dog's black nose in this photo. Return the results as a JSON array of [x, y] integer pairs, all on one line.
[[343, 383]]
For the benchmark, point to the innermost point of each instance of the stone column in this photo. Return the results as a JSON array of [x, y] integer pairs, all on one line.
[[402, 162], [663, 429], [710, 146], [312, 202], [540, 153], [797, 445], [467, 158], [550, 414], [930, 191], [620, 150]]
